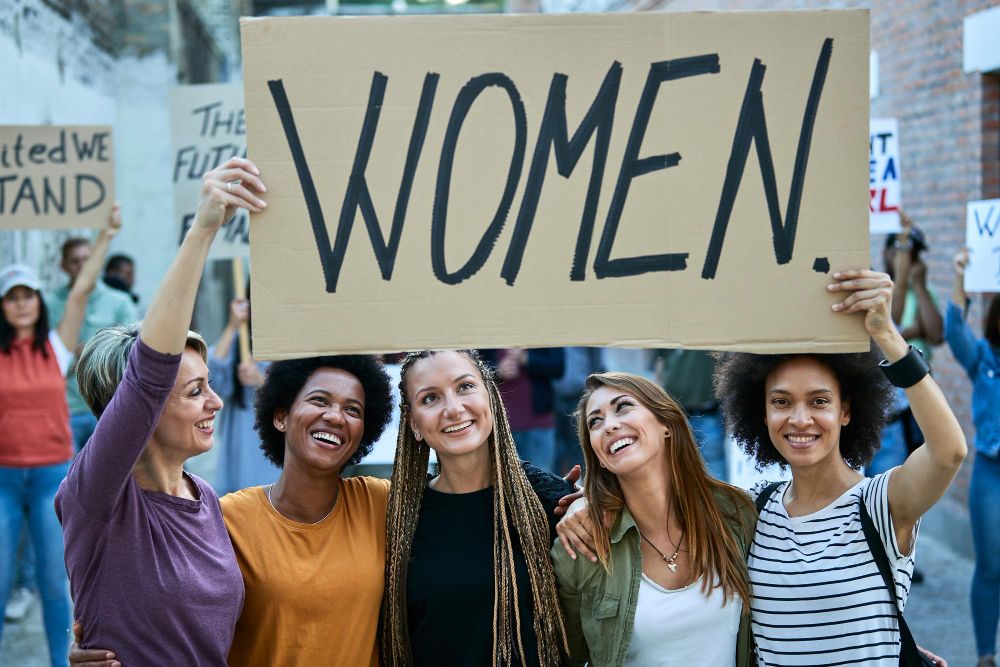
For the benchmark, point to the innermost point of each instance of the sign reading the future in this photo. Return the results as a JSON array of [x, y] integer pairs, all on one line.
[[207, 127], [637, 180], [55, 177], [884, 186], [982, 237]]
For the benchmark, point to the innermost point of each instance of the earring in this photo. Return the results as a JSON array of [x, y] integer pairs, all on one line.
[[417, 436], [281, 427]]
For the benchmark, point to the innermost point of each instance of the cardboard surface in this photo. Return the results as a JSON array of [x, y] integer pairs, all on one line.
[[683, 246], [207, 128], [884, 183], [55, 177], [982, 237]]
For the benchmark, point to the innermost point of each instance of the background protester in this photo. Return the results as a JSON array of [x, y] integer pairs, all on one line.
[[916, 314], [468, 578], [817, 590], [527, 377], [119, 274], [35, 441], [674, 553], [105, 306], [151, 566], [980, 357], [580, 362], [240, 463], [687, 377]]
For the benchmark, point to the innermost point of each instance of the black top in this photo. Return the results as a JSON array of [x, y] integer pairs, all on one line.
[[449, 591]]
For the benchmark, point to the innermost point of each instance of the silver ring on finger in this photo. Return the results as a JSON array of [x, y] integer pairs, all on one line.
[[230, 184]]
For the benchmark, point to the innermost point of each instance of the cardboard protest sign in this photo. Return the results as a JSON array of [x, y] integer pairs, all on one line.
[[622, 179], [207, 128], [884, 185], [982, 237], [55, 177]]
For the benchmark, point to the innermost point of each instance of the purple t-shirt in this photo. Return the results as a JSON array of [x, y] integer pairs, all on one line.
[[153, 576]]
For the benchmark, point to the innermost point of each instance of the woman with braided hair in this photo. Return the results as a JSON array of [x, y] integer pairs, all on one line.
[[468, 576]]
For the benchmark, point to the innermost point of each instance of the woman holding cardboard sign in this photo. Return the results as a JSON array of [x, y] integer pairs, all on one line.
[[830, 542], [145, 541]]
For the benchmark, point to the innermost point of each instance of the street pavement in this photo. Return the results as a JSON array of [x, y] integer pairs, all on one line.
[[937, 612]]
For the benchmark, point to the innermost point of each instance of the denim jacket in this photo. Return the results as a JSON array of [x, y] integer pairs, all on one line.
[[982, 362], [600, 605]]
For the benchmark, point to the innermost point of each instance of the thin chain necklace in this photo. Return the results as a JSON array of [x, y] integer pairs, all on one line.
[[270, 486]]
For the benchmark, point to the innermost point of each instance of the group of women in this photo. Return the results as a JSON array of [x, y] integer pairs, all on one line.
[[456, 568]]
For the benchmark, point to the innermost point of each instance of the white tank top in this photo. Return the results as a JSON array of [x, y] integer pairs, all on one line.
[[683, 627]]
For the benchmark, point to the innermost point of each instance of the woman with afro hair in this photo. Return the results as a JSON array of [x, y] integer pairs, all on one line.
[[818, 596]]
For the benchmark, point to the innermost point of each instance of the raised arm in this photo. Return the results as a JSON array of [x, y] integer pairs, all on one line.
[[961, 340], [76, 301], [921, 481], [928, 315], [224, 189]]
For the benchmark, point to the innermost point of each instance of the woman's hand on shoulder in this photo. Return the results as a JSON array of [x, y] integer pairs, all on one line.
[[84, 657], [576, 531], [235, 184]]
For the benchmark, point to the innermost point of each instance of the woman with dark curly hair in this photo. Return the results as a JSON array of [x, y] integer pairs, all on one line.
[[311, 546], [818, 595]]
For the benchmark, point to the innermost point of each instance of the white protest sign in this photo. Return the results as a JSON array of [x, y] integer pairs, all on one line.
[[206, 129], [982, 236], [884, 185]]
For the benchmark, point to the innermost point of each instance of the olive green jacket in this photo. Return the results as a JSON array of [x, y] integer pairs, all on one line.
[[600, 605]]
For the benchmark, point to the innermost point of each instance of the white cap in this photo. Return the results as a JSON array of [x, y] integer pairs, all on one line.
[[17, 274]]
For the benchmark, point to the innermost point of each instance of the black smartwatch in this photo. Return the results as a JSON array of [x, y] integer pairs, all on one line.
[[908, 371]]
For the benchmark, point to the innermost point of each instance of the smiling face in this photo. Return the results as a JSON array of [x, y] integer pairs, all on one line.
[[625, 435], [804, 412], [21, 309], [187, 423], [448, 403], [325, 423]]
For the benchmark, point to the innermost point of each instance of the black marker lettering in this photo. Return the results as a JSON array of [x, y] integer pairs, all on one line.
[[633, 166], [751, 127], [463, 103], [553, 135]]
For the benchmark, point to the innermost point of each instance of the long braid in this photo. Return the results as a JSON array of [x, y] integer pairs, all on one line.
[[514, 501]]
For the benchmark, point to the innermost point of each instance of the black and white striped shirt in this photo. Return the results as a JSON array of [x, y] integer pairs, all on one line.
[[818, 598]]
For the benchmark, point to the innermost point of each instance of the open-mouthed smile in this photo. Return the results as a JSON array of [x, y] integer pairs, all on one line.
[[801, 440], [327, 439], [621, 443], [205, 425], [457, 428]]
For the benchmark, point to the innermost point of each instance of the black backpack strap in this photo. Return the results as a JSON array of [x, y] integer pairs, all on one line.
[[766, 494], [908, 653]]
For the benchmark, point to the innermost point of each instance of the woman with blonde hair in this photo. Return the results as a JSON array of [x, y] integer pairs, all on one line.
[[669, 583], [468, 578]]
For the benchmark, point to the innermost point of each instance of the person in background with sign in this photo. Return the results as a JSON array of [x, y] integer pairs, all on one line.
[[468, 578], [35, 440], [672, 562], [980, 357], [241, 462], [105, 307], [821, 415], [149, 558], [916, 314]]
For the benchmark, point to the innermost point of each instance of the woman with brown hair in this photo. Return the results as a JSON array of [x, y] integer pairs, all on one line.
[[669, 584], [468, 578]]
